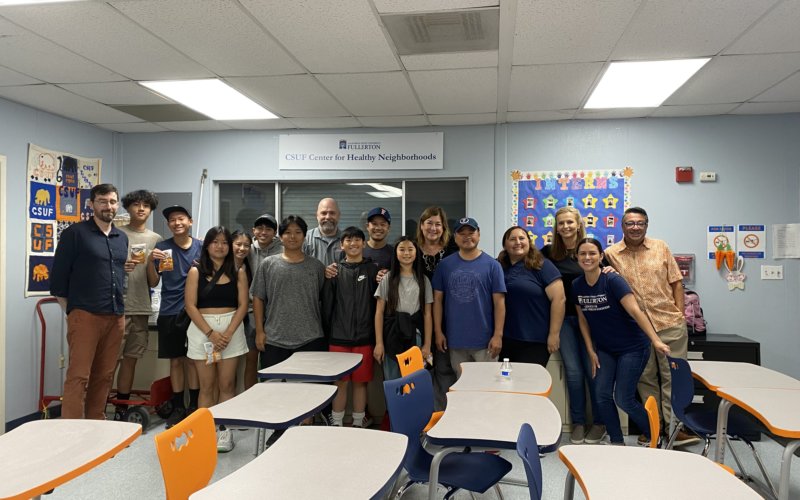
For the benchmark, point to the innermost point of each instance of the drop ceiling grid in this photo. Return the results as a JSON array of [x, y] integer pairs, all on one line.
[[59, 101], [567, 31], [457, 90], [452, 60], [787, 90], [776, 32], [328, 37], [9, 77], [290, 96], [132, 128], [332, 122], [551, 87], [195, 126], [117, 93], [216, 33], [758, 108], [402, 6], [394, 121], [463, 119], [373, 94], [102, 34]]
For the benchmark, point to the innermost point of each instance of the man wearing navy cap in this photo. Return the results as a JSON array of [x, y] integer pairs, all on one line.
[[379, 222], [265, 240], [469, 294]]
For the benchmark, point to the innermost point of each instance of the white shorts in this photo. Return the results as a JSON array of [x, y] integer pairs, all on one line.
[[219, 322]]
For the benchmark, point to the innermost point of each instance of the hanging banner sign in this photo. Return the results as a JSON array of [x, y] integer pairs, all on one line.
[[751, 241], [412, 151], [720, 237]]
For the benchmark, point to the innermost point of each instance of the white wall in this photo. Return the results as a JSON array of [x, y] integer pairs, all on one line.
[[20, 125]]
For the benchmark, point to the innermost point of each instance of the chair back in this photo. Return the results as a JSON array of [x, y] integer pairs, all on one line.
[[682, 386], [528, 451], [655, 422], [409, 401], [188, 467], [410, 361]]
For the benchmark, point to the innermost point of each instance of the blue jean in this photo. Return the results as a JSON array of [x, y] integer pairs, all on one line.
[[616, 382], [578, 370]]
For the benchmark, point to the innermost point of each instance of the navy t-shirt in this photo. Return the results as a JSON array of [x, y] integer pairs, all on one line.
[[468, 286], [527, 304], [173, 282], [613, 329]]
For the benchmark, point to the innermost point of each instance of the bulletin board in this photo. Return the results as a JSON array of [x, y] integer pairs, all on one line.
[[58, 186], [601, 196]]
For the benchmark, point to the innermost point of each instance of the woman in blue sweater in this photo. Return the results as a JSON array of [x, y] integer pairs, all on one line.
[[617, 336]]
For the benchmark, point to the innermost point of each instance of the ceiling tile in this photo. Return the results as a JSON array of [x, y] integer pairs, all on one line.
[[194, 126], [787, 90], [273, 124], [116, 93], [218, 34], [100, 33], [686, 28], [373, 94], [344, 36], [759, 108], [334, 122], [694, 110], [735, 78], [610, 114], [551, 87], [464, 119], [567, 31], [456, 91], [290, 96], [540, 116], [59, 101], [776, 32], [393, 121], [394, 6], [451, 60], [10, 77], [132, 128]]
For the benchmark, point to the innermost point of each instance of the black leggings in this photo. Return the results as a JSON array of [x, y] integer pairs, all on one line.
[[525, 352]]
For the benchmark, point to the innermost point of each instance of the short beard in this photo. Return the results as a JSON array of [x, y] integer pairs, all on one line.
[[327, 228]]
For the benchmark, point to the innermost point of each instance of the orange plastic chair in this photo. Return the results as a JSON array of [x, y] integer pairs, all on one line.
[[188, 467], [655, 423], [410, 362]]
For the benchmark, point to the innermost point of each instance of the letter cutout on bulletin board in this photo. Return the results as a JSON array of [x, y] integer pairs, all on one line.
[[58, 189], [601, 196]]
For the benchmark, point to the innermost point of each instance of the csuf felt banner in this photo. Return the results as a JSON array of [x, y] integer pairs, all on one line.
[[58, 186], [601, 196]]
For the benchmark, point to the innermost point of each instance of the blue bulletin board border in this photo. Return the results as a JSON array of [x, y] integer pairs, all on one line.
[[601, 196]]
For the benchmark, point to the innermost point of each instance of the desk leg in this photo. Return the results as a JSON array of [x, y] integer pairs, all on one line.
[[722, 430], [569, 486], [433, 476], [786, 464]]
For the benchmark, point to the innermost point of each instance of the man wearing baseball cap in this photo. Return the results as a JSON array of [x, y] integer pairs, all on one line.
[[469, 295], [265, 240], [169, 263], [379, 222]]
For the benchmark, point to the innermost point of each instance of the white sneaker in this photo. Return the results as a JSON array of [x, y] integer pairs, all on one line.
[[224, 441], [366, 423]]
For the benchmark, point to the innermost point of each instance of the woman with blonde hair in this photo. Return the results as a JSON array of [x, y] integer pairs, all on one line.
[[563, 253]]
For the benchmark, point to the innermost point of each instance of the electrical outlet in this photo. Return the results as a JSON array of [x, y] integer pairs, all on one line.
[[771, 272], [708, 177]]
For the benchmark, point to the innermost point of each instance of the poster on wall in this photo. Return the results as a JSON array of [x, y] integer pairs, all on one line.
[[601, 196], [58, 186], [751, 240], [720, 238]]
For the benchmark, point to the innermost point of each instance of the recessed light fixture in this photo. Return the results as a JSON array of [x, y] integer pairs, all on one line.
[[212, 98], [641, 84]]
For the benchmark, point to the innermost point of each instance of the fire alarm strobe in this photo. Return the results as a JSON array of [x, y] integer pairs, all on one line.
[[684, 174]]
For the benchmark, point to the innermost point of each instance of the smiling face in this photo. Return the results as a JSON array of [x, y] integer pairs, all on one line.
[[263, 235], [378, 228], [139, 212], [467, 238], [353, 248], [432, 229], [406, 253], [567, 225], [105, 206], [517, 245], [634, 228], [241, 248], [328, 216], [292, 238], [219, 247], [179, 224], [589, 257]]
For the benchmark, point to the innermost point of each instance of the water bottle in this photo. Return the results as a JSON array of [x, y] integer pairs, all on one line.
[[505, 369]]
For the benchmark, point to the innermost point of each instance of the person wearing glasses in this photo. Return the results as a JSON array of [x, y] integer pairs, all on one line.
[[651, 271]]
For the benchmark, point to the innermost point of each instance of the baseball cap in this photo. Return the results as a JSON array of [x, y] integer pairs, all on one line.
[[266, 220], [380, 211], [175, 208], [466, 221]]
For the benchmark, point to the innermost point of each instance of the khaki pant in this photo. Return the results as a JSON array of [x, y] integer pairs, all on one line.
[[657, 367], [94, 342]]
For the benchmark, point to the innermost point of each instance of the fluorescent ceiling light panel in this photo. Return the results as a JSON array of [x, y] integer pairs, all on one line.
[[641, 84], [211, 97]]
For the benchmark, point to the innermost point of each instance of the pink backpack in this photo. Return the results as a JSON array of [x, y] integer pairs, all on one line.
[[695, 323]]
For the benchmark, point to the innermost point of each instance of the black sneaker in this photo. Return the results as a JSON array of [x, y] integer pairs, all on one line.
[[120, 414], [177, 415]]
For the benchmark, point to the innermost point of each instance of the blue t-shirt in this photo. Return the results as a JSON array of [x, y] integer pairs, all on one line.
[[173, 282], [468, 286], [527, 304], [613, 329]]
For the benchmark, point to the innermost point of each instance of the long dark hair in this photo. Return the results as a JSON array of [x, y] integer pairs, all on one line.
[[533, 259], [206, 266], [236, 235], [394, 276]]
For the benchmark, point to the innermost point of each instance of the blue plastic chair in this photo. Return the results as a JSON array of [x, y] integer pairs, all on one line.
[[409, 412], [704, 423], [528, 451]]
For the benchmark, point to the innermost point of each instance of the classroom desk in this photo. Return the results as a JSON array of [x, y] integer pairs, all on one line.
[[716, 374], [317, 462], [43, 454], [316, 366], [273, 406], [526, 378], [778, 409], [490, 420], [633, 472]]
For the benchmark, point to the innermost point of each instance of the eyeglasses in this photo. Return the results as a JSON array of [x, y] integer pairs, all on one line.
[[638, 223]]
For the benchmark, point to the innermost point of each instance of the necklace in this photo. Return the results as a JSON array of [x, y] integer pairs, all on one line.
[[431, 261]]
